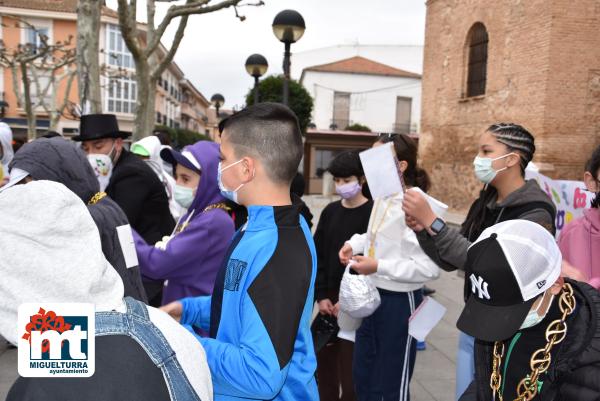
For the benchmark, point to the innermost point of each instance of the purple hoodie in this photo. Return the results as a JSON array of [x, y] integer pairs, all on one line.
[[193, 256], [579, 243]]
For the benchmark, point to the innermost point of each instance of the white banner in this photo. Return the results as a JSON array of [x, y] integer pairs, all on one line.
[[569, 197]]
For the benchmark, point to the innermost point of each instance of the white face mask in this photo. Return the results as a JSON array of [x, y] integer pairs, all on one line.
[[232, 195], [103, 167], [533, 317]]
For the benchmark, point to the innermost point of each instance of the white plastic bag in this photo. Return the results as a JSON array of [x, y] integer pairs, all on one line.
[[359, 297]]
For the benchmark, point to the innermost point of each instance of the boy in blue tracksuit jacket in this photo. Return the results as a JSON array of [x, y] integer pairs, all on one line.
[[258, 317]]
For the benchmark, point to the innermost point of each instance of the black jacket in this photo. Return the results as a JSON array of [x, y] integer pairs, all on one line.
[[139, 192], [574, 374], [61, 161]]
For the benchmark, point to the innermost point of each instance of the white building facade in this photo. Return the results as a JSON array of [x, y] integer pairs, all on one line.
[[358, 90]]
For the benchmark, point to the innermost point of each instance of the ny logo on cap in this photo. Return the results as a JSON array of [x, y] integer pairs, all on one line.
[[479, 287]]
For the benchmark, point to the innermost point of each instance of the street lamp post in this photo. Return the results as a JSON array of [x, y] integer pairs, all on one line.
[[217, 100], [257, 66], [288, 27]]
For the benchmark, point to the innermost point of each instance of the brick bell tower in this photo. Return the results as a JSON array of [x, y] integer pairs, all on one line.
[[531, 62]]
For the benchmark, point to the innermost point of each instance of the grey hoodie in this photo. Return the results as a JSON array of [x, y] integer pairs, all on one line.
[[449, 248], [59, 160]]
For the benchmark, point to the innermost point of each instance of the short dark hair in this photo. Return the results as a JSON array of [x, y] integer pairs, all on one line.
[[271, 133], [346, 165], [163, 137]]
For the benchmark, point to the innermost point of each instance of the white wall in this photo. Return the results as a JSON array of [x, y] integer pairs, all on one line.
[[409, 58], [372, 99]]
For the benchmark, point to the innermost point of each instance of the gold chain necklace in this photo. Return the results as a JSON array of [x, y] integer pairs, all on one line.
[[374, 230], [97, 198], [220, 205], [556, 332]]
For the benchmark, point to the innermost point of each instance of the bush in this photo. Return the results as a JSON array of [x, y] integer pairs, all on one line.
[[358, 127], [181, 137], [271, 90]]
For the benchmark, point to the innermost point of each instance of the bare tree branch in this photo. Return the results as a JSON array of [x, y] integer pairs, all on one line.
[[193, 7], [147, 53], [166, 61], [31, 62], [129, 28]]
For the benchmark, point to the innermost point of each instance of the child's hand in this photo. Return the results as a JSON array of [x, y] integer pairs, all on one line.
[[345, 254], [336, 309], [325, 307], [364, 264], [174, 309], [416, 206], [413, 224]]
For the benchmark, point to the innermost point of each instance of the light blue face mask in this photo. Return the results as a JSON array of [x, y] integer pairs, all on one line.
[[484, 170], [533, 317], [229, 194], [183, 195]]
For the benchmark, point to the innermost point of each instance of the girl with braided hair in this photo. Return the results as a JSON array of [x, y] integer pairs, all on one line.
[[504, 152]]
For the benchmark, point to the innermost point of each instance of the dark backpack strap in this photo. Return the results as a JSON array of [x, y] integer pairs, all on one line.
[[514, 212]]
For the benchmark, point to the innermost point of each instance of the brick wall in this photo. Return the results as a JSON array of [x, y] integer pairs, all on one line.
[[543, 72]]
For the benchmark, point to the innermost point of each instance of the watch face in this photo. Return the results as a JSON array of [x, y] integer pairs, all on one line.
[[437, 225]]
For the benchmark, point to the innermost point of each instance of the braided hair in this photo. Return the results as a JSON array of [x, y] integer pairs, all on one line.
[[518, 140]]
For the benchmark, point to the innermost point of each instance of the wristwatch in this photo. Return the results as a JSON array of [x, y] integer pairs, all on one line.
[[437, 226]]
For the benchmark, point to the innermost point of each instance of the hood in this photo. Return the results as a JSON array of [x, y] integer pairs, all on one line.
[[34, 269], [6, 139], [152, 145], [530, 192], [59, 160], [592, 216], [208, 193]]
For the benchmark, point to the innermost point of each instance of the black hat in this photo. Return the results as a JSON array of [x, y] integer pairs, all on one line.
[[98, 126], [508, 268]]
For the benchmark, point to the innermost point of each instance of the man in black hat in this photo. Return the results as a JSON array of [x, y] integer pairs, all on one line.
[[537, 334], [132, 184]]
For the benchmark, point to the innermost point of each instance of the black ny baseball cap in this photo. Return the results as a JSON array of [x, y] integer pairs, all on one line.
[[507, 268]]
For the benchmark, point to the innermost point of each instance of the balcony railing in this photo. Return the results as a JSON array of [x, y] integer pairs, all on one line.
[[339, 124], [401, 128]]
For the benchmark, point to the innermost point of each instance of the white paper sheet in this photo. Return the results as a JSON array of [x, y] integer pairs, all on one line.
[[127, 245], [380, 169], [425, 318]]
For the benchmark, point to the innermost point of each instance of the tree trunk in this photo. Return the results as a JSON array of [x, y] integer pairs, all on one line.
[[88, 63], [54, 120], [146, 100], [31, 120]]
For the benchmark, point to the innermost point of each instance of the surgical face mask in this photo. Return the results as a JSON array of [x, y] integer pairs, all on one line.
[[484, 170], [232, 195], [349, 190], [183, 195], [533, 316], [103, 166]]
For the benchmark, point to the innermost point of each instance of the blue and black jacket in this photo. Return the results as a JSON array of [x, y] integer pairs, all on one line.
[[260, 345]]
